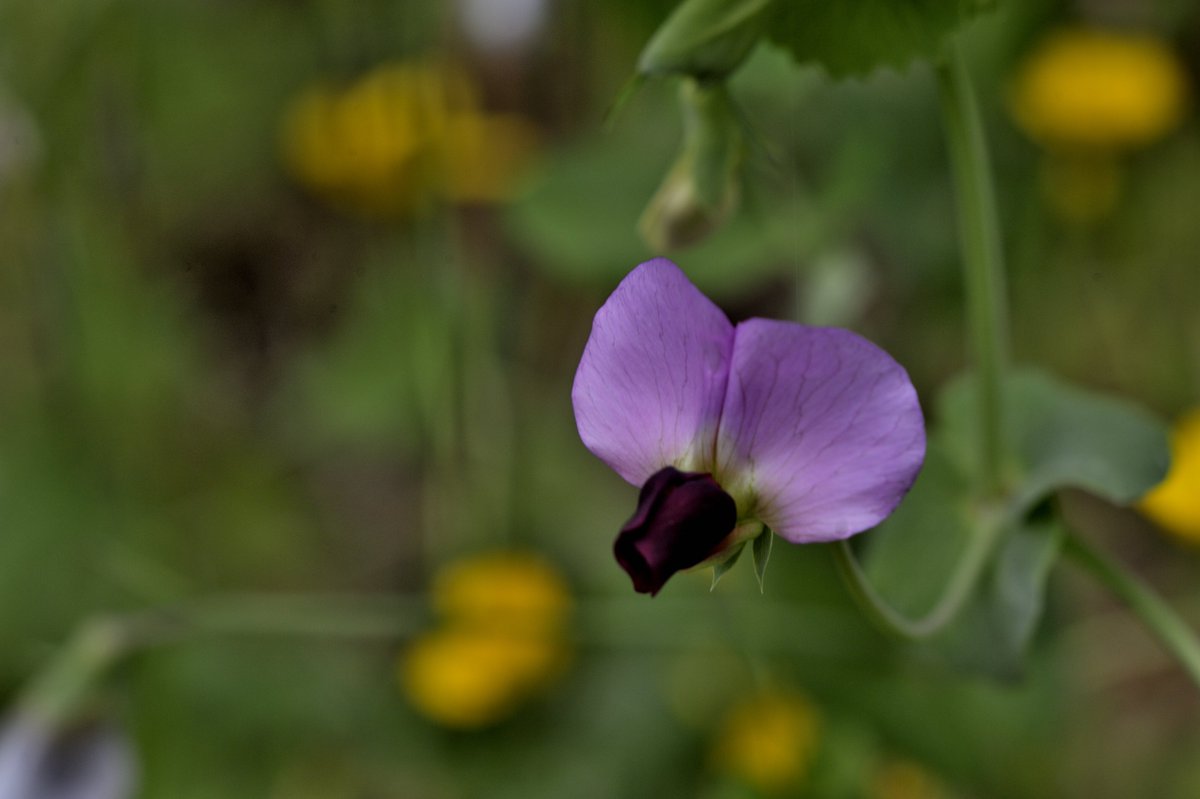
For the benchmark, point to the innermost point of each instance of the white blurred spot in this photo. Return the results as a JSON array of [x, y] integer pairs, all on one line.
[[837, 290], [501, 24]]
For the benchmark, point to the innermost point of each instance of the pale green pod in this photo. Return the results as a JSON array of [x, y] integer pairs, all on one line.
[[701, 190]]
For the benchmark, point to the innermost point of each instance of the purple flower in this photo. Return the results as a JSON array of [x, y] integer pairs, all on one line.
[[814, 433]]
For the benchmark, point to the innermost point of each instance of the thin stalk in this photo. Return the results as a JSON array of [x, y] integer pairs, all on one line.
[[56, 693], [1172, 631], [103, 642], [982, 257], [954, 596], [72, 678]]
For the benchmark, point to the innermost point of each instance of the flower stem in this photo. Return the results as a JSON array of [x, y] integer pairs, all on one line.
[[982, 256], [1178, 638], [958, 588]]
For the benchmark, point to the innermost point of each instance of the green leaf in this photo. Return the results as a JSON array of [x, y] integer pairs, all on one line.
[[994, 632], [854, 37], [1062, 436], [719, 569], [1056, 435], [911, 556], [1017, 590], [762, 554]]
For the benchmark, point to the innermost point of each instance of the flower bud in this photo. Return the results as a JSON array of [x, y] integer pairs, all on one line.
[[701, 191], [705, 38]]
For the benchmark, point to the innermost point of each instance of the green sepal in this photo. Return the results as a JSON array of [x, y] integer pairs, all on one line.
[[720, 568], [763, 545], [706, 39]]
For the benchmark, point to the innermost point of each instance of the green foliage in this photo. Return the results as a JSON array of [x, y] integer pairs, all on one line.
[[912, 555], [382, 374], [1061, 436], [854, 37], [995, 630], [579, 214], [581, 217], [1056, 436]]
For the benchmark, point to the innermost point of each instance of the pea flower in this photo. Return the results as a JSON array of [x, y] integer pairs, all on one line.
[[814, 433]]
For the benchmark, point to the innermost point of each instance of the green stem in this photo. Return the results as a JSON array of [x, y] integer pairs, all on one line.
[[72, 677], [982, 257], [958, 588], [102, 643], [68, 681], [1178, 638]]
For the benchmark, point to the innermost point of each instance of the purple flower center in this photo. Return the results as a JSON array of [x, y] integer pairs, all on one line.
[[680, 521]]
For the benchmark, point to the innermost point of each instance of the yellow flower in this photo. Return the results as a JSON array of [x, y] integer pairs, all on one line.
[[467, 677], [769, 741], [402, 137], [508, 590], [1093, 89], [903, 779], [503, 640], [1175, 503]]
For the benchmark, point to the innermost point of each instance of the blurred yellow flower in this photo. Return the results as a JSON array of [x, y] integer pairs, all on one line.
[[903, 779], [769, 740], [402, 137], [509, 590], [1092, 89], [467, 677], [503, 639], [1175, 503]]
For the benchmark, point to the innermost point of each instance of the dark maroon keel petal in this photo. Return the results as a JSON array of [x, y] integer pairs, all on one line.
[[681, 519]]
